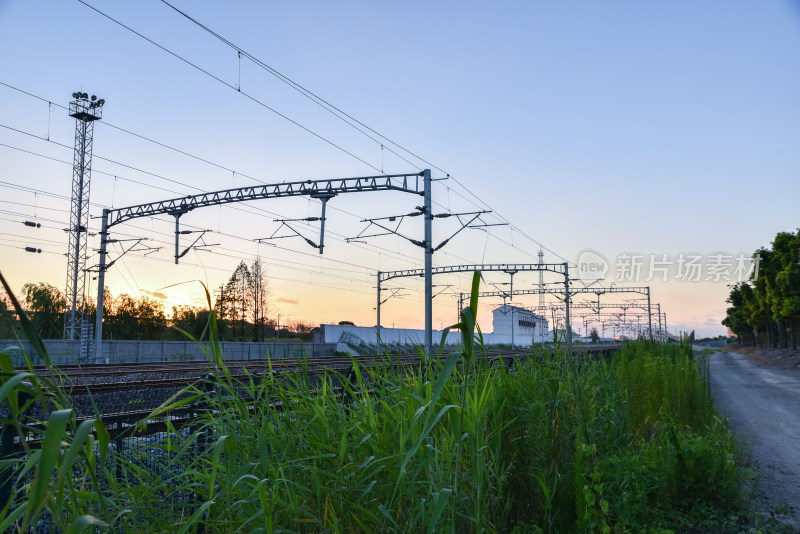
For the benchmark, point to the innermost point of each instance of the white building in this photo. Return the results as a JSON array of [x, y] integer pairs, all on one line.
[[513, 325]]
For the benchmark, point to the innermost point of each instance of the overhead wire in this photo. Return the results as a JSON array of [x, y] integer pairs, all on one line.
[[293, 265], [309, 130], [223, 82], [251, 209], [134, 168], [342, 115], [190, 226], [333, 207]]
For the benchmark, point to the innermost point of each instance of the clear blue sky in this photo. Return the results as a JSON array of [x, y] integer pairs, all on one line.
[[618, 126]]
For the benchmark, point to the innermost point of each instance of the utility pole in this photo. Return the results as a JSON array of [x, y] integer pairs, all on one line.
[[566, 306], [101, 277], [512, 327], [541, 281], [85, 110], [660, 332], [649, 314], [428, 214], [378, 309]]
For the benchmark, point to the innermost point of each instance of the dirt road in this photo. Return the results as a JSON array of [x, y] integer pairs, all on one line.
[[763, 407]]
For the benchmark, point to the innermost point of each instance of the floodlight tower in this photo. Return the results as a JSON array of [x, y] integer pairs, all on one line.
[[86, 110]]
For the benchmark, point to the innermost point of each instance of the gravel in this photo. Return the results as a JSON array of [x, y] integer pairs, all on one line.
[[759, 393]]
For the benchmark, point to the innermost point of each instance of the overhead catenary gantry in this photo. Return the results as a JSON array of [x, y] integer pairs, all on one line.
[[633, 322], [508, 268], [418, 183], [566, 294]]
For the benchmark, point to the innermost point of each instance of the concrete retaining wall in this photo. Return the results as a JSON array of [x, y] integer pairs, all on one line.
[[116, 351]]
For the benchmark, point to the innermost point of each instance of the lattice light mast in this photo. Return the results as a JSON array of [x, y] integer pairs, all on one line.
[[86, 110]]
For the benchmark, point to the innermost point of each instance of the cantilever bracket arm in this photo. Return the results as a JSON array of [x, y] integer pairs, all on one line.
[[386, 229], [285, 222], [200, 237], [475, 215], [395, 293], [125, 251], [445, 288]]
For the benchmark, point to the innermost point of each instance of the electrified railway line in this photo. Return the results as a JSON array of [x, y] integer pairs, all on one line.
[[124, 394], [103, 377]]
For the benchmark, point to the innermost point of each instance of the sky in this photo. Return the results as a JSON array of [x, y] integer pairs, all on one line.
[[629, 129]]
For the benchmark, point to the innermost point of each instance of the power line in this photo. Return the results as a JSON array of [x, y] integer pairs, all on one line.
[[166, 234], [312, 132], [324, 104], [336, 236], [223, 82], [489, 234], [345, 116], [23, 248], [34, 239]]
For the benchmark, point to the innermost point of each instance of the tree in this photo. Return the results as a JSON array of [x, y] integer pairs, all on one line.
[[346, 323], [237, 298], [594, 335], [46, 305], [131, 318], [765, 311], [260, 297], [9, 322], [189, 319], [737, 314]]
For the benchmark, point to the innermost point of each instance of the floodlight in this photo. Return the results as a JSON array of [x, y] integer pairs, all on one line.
[[101, 102], [94, 98], [74, 95]]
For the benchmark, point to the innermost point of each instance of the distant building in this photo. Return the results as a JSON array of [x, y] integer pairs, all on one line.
[[514, 325]]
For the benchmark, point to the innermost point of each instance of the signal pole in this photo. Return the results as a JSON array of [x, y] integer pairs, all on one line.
[[85, 110]]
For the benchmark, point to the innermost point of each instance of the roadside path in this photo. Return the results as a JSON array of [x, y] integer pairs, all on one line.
[[762, 404]]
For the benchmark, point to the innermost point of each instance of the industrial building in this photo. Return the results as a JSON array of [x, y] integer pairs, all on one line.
[[515, 325], [511, 325]]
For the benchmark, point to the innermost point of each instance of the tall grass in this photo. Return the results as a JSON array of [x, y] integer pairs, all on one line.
[[558, 443]]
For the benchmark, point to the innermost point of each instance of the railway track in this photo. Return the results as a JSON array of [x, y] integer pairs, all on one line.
[[126, 389]]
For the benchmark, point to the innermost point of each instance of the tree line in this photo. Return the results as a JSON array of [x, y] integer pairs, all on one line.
[[765, 310], [244, 313]]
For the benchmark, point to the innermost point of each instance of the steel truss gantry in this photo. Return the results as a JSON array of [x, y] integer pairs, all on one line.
[[566, 294], [418, 183], [508, 268]]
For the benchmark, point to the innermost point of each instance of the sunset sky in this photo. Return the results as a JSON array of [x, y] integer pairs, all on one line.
[[624, 128]]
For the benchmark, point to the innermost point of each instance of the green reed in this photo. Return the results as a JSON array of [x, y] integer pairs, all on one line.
[[558, 443]]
